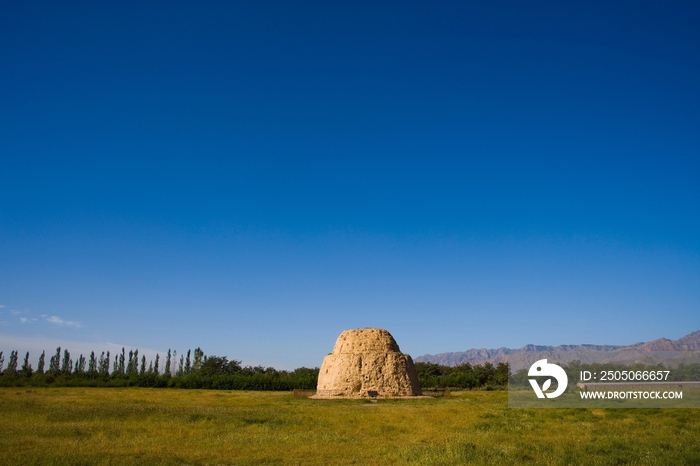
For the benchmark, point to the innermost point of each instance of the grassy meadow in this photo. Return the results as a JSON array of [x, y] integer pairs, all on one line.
[[125, 426]]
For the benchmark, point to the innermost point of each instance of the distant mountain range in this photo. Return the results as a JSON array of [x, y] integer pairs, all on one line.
[[670, 352]]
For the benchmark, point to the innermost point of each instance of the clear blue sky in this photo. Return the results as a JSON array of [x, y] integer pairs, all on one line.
[[255, 177]]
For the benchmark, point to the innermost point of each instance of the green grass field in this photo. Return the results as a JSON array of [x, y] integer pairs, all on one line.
[[113, 426]]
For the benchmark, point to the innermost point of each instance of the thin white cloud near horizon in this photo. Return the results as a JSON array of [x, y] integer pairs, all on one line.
[[51, 319], [58, 321]]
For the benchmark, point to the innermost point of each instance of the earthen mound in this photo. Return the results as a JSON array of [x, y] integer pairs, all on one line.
[[367, 362]]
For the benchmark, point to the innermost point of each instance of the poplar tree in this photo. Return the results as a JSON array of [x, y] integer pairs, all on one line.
[[130, 364], [143, 365], [2, 361], [12, 363], [198, 359], [103, 365], [26, 367], [40, 366], [92, 364], [188, 363], [181, 369], [80, 365], [155, 367], [55, 363], [167, 364], [122, 357], [133, 367], [67, 364]]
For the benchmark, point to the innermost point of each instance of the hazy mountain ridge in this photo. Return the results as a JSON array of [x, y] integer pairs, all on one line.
[[650, 352]]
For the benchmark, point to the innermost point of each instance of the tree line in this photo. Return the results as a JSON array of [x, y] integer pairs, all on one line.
[[463, 376], [193, 370], [197, 370]]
